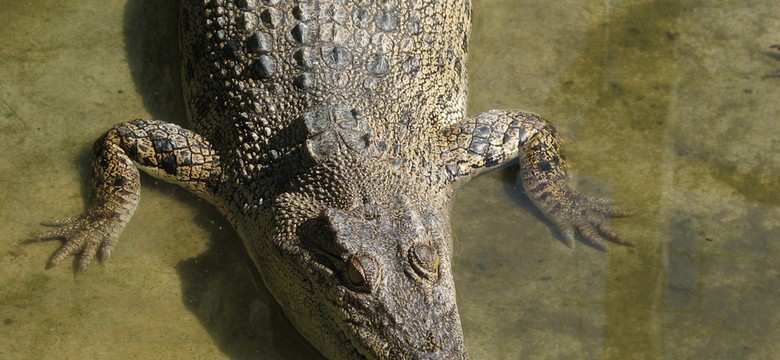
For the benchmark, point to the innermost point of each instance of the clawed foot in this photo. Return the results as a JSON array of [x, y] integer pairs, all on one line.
[[88, 235], [588, 217]]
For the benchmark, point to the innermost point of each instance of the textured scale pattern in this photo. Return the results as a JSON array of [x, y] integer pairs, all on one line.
[[332, 135]]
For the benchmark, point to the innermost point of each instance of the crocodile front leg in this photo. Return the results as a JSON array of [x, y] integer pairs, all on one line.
[[163, 150], [495, 137]]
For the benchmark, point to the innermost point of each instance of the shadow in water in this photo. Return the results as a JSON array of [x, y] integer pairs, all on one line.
[[220, 287]]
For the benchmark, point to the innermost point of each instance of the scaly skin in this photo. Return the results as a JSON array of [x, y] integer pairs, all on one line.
[[332, 135]]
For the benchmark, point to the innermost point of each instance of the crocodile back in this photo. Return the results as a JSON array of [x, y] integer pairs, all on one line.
[[251, 68]]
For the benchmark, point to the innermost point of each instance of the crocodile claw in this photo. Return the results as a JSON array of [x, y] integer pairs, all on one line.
[[87, 236], [588, 217]]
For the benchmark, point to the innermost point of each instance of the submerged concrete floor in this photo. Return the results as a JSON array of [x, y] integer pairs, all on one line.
[[667, 106]]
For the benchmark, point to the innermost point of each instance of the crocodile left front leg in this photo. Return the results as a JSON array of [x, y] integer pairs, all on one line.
[[165, 151], [492, 138]]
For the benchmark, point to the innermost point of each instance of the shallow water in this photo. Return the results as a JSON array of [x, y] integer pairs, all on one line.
[[669, 107]]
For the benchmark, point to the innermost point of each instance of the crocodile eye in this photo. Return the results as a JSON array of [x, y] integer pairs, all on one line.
[[360, 273], [354, 273], [425, 261]]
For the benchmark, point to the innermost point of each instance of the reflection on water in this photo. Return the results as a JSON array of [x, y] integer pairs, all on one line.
[[669, 107]]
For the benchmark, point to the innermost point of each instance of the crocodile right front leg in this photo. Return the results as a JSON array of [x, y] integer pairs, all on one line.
[[492, 138], [165, 151]]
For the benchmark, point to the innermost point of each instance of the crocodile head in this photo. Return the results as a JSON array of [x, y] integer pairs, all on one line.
[[374, 282], [361, 256]]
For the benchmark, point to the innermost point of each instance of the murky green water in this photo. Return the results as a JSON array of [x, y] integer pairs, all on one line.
[[666, 106]]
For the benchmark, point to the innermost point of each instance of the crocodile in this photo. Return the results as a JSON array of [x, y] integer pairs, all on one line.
[[332, 135]]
